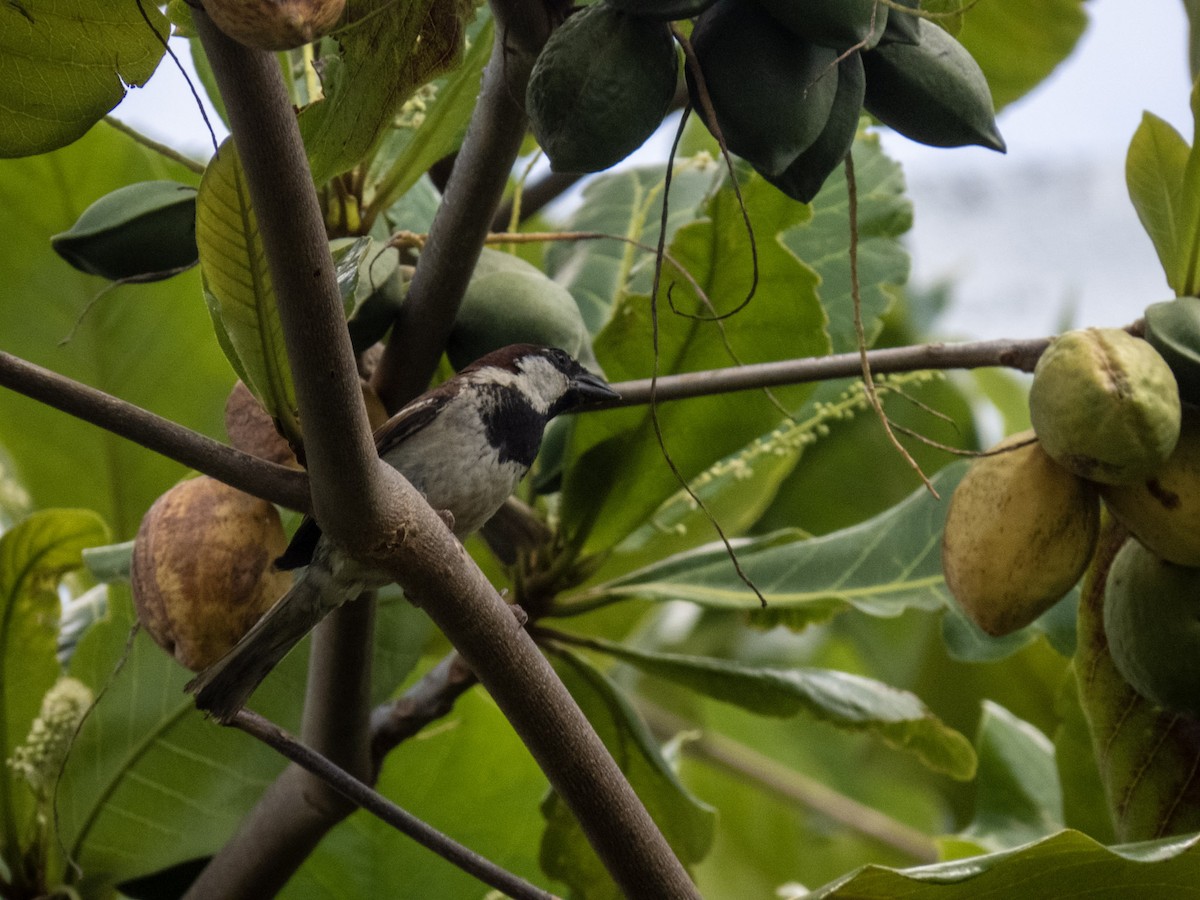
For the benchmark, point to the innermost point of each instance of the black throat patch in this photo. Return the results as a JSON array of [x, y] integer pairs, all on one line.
[[513, 426]]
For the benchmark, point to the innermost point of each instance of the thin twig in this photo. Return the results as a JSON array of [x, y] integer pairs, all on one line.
[[375, 803], [776, 778], [162, 149], [860, 331], [279, 484], [1021, 355]]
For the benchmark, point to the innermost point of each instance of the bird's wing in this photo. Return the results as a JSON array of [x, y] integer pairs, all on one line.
[[411, 419]]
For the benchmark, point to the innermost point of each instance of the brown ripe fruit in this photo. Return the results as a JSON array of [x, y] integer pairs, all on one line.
[[275, 24], [251, 430], [203, 568], [1019, 533]]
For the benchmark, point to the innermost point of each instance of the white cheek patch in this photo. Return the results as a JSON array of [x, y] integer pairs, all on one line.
[[543, 381]]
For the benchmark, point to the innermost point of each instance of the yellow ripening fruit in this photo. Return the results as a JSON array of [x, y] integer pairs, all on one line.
[[1019, 533], [1105, 405], [1152, 620], [203, 568], [1163, 509], [275, 24]]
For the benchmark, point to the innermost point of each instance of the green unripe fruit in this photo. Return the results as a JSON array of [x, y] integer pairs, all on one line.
[[772, 91], [662, 10], [932, 92], [802, 180], [1105, 405], [1173, 329], [600, 87], [1163, 509], [831, 23], [1152, 620], [902, 27], [143, 232], [1019, 533], [509, 301]]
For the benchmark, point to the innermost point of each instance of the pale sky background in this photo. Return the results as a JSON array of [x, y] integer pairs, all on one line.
[[1042, 236]]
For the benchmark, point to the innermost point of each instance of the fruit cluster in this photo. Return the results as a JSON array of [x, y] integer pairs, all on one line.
[[786, 81], [1112, 420]]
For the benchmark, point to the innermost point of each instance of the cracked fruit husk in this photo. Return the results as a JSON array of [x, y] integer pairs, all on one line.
[[1019, 533], [772, 91], [1152, 620], [275, 24], [1105, 405], [1163, 509], [600, 87], [203, 568]]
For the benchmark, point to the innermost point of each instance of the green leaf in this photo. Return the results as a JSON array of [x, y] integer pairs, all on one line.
[[1154, 170], [686, 822], [1018, 798], [845, 700], [1018, 43], [386, 53], [616, 476], [149, 344], [237, 286], [884, 215], [627, 203], [470, 761], [1084, 806], [1069, 864], [65, 63], [150, 782], [1185, 277], [436, 129], [34, 555], [882, 567], [1147, 757]]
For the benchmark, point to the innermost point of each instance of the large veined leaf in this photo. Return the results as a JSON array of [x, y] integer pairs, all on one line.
[[65, 63], [884, 215], [34, 555], [842, 699], [1154, 169], [435, 125], [468, 762], [626, 203], [237, 286], [1018, 798], [150, 344], [1147, 757], [386, 53], [149, 781], [686, 822], [617, 476], [1068, 864], [1018, 43], [883, 566]]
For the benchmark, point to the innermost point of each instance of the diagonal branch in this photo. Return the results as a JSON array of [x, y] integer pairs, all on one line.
[[376, 804], [268, 480]]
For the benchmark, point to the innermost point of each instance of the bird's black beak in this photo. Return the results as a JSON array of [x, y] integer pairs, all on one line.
[[589, 388]]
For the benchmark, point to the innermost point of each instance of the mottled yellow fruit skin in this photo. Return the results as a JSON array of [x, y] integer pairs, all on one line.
[[1105, 405], [275, 24], [1163, 509], [1019, 533], [203, 568]]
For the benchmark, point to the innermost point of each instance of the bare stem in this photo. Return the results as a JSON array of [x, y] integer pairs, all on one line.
[[268, 480], [1021, 355], [375, 803]]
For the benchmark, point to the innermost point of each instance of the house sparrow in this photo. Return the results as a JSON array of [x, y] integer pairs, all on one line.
[[464, 445]]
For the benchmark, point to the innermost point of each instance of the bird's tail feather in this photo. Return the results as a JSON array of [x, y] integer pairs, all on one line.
[[224, 687]]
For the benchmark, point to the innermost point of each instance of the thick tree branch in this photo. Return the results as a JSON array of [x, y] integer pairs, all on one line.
[[464, 216], [376, 804], [273, 482]]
